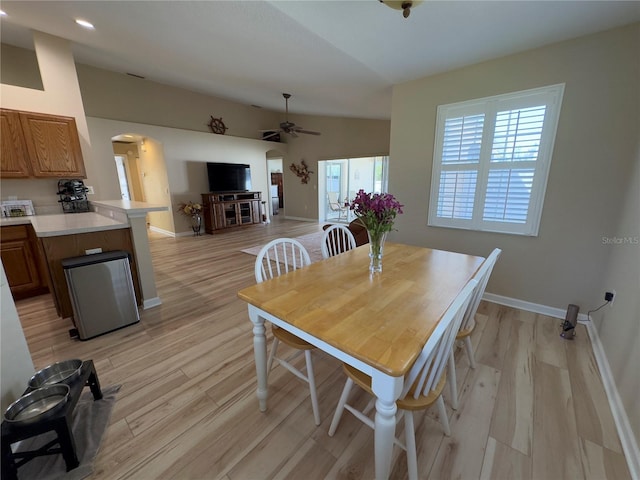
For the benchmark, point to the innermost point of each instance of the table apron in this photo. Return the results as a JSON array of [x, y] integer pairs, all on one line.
[[320, 344]]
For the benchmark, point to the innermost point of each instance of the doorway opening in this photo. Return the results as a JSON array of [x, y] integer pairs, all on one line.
[[276, 187], [340, 179], [142, 176]]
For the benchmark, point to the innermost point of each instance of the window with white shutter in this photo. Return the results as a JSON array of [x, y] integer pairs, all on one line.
[[491, 161]]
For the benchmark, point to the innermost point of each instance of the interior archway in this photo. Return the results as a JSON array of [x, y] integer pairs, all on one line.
[[143, 176]]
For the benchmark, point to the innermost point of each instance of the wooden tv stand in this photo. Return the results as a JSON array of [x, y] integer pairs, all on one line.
[[224, 210]]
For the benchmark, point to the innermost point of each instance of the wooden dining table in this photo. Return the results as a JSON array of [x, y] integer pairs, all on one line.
[[377, 323]]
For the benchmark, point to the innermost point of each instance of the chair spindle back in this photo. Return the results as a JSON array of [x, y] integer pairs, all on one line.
[[280, 256], [430, 364], [482, 276], [337, 239]]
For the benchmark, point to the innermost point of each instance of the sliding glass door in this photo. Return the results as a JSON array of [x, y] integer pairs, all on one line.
[[340, 180]]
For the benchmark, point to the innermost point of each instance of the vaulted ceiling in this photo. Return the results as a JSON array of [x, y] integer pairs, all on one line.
[[335, 57]]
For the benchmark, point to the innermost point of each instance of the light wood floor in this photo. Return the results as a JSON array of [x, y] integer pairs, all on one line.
[[533, 408]]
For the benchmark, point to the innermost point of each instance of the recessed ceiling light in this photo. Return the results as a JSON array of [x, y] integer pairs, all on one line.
[[2, 13], [85, 24]]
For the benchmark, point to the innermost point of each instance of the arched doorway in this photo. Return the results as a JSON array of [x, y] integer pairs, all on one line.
[[142, 173]]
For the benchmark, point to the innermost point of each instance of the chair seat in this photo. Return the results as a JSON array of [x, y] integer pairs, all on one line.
[[290, 339], [465, 332], [408, 403]]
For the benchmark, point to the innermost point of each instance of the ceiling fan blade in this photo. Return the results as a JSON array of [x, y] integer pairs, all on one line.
[[309, 132], [292, 133]]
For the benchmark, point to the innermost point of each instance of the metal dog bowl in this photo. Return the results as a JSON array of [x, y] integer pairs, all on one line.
[[37, 405], [60, 372]]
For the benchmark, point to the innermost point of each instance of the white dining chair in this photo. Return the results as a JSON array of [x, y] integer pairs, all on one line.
[[337, 239], [423, 384], [469, 323], [276, 258]]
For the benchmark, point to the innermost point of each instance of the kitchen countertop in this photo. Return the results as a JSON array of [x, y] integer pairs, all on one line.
[[66, 223], [72, 223], [129, 206]]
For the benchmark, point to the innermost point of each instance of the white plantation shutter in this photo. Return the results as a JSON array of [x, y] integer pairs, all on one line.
[[491, 161], [457, 193], [508, 195]]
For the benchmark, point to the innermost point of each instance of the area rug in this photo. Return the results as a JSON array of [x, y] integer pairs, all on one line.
[[89, 424], [312, 242]]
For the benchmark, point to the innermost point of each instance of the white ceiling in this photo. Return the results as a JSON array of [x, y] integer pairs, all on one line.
[[335, 57]]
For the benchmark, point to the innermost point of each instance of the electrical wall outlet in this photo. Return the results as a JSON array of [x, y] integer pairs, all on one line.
[[610, 296], [90, 190]]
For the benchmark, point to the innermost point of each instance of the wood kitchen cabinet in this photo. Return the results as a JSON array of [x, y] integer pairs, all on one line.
[[229, 210], [23, 264], [39, 145], [13, 163]]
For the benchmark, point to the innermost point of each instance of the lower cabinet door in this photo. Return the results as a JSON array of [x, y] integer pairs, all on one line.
[[21, 267]]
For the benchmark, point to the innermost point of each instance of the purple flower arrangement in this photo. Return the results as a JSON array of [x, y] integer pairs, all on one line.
[[376, 211]]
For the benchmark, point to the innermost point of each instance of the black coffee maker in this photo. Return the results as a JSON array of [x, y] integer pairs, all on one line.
[[73, 196]]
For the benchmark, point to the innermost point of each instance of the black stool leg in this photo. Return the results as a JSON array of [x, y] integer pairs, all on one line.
[[9, 470], [67, 443], [94, 384]]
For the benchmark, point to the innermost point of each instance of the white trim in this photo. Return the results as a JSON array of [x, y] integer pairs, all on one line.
[[531, 307], [623, 426], [301, 219], [625, 432], [166, 232], [151, 302]]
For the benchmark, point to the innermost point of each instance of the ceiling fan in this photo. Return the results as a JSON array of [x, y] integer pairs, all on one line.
[[287, 126]]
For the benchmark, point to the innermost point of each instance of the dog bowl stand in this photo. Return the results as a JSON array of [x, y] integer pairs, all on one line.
[[60, 423]]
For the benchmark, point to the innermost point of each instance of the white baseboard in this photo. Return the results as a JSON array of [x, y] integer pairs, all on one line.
[[625, 432], [151, 302], [166, 232], [301, 219], [530, 307]]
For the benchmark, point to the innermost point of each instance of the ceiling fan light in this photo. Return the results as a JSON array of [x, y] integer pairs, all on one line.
[[404, 5]]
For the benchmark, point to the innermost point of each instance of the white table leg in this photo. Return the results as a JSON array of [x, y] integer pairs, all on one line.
[[387, 390], [260, 352]]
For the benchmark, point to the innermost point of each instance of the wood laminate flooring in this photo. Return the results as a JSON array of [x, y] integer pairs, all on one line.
[[534, 408]]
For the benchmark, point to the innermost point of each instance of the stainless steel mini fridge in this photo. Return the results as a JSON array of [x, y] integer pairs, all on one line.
[[101, 292]]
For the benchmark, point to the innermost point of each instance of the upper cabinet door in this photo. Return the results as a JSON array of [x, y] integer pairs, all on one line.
[[53, 145], [14, 162]]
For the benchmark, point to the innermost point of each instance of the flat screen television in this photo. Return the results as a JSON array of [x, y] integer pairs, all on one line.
[[229, 177]]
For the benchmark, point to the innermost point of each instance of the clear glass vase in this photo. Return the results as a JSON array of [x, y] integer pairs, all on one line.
[[196, 223], [376, 249]]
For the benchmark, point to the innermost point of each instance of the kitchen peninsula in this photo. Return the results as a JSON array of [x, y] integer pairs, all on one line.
[[112, 225]]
